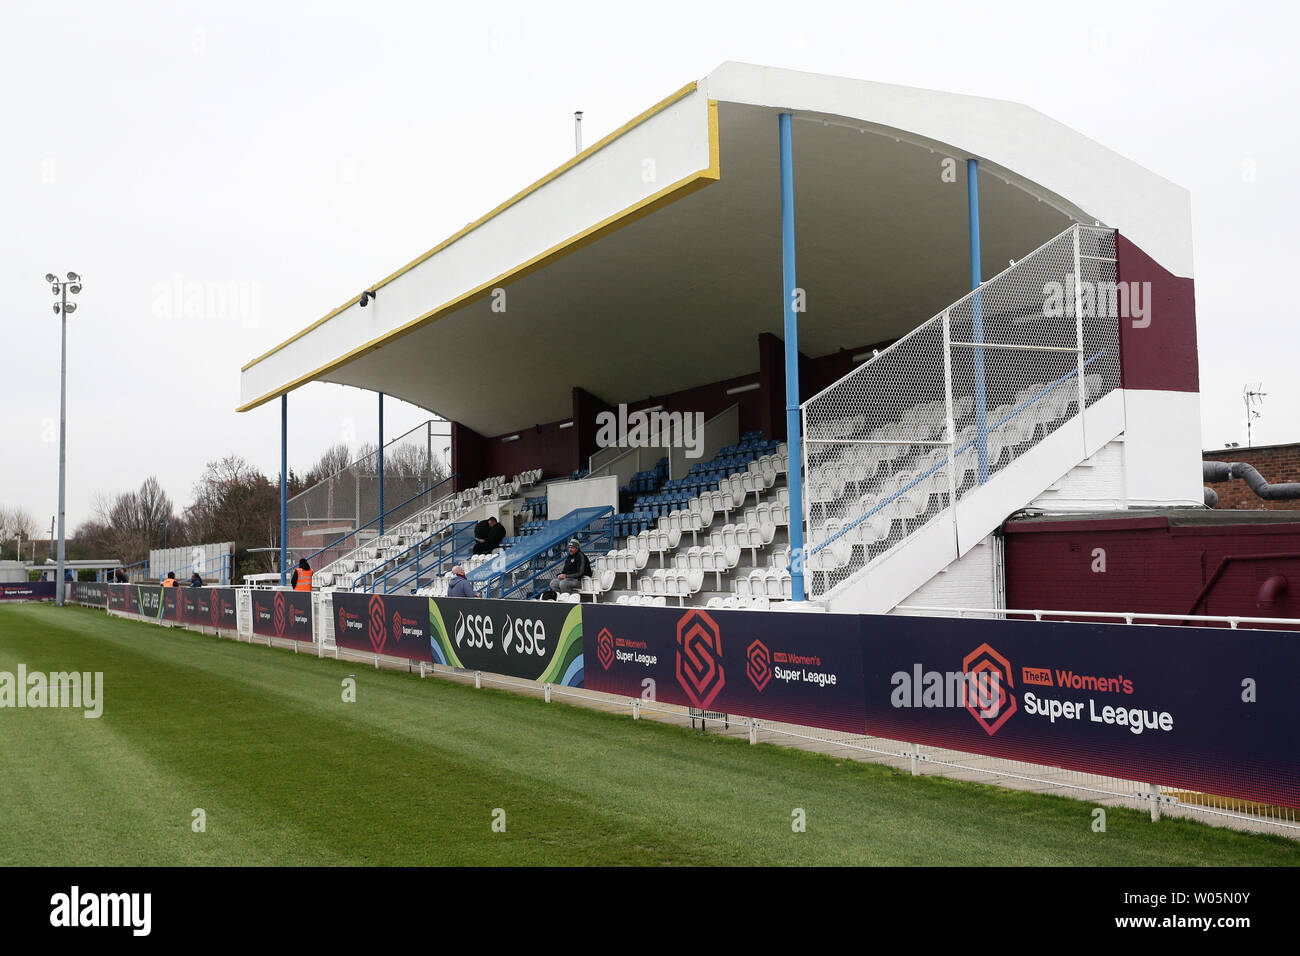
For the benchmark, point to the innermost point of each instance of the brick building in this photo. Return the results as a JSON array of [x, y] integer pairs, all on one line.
[[1277, 463]]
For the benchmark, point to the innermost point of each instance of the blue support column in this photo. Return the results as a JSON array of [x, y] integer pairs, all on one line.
[[792, 418], [381, 463], [977, 318], [284, 489]]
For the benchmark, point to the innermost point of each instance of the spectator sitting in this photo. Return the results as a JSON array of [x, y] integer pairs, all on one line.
[[576, 567], [460, 586], [488, 535], [196, 581]]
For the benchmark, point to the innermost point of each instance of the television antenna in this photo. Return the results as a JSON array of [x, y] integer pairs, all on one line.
[[1252, 398]]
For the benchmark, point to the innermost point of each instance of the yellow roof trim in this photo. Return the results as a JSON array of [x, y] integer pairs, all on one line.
[[559, 170], [669, 194]]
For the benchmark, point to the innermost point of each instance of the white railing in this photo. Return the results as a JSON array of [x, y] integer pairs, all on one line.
[[895, 444], [1128, 617]]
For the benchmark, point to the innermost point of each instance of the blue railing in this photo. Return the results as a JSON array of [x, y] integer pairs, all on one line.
[[333, 545], [454, 542], [953, 457], [517, 570]]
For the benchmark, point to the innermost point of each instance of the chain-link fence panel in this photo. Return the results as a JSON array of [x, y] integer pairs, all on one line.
[[892, 445]]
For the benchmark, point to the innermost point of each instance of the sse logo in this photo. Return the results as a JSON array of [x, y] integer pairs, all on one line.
[[989, 676], [699, 658], [475, 630]]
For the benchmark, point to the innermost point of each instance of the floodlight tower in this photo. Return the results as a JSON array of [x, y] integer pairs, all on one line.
[[62, 288]]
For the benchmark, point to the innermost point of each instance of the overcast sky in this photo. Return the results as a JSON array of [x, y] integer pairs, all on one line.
[[290, 154]]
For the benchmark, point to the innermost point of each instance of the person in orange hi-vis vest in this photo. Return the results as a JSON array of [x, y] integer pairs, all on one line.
[[301, 579]]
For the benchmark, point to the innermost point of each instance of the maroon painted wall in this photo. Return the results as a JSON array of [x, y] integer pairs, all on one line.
[[1277, 463], [1161, 356], [559, 451], [1151, 566]]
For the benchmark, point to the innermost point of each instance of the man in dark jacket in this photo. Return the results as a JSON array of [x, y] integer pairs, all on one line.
[[488, 535], [576, 567]]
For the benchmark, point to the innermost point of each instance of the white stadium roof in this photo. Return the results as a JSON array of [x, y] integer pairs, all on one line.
[[651, 261]]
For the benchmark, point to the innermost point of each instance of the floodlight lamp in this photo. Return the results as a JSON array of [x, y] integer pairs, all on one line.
[[50, 277], [56, 308], [73, 277], [74, 288], [71, 307]]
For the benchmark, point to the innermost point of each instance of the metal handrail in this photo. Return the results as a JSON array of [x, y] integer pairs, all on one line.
[[1129, 617], [546, 568], [355, 531], [417, 555], [950, 460]]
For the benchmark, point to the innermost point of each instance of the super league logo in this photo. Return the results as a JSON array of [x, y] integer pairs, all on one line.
[[377, 633], [605, 648], [278, 615], [758, 665], [214, 608], [988, 676], [699, 658], [397, 626]]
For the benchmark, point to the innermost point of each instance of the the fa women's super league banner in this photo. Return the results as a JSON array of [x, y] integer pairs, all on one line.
[[533, 640], [1208, 709], [31, 591], [797, 668], [208, 607], [282, 614]]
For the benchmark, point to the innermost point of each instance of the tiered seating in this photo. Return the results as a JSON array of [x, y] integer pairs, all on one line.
[[376, 555], [709, 557], [866, 498], [600, 582], [642, 600], [438, 587], [622, 561], [671, 582], [771, 583], [647, 481]]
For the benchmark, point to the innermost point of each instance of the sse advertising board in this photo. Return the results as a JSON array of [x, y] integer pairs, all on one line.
[[1201, 708], [796, 668], [533, 640], [392, 624], [284, 614]]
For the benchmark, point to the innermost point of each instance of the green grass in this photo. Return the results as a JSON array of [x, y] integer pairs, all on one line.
[[411, 773]]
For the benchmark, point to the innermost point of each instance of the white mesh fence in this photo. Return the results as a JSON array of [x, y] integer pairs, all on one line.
[[890, 447]]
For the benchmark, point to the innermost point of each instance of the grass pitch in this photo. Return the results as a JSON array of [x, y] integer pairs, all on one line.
[[286, 772]]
